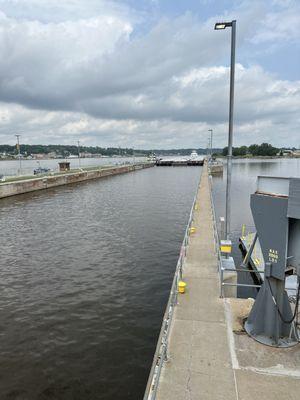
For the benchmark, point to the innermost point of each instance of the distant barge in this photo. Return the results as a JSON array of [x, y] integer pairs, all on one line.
[[175, 163]]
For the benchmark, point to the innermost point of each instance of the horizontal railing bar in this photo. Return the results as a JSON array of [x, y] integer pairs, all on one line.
[[240, 284], [249, 285], [243, 270]]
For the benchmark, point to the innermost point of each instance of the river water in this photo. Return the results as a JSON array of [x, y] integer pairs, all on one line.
[[86, 271]]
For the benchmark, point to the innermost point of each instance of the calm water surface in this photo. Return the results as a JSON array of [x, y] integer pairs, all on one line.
[[85, 275]]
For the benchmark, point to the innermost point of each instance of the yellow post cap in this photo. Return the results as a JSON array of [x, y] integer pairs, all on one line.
[[225, 246], [181, 286]]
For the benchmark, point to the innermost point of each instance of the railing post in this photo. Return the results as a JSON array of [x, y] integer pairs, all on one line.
[[222, 286], [222, 228]]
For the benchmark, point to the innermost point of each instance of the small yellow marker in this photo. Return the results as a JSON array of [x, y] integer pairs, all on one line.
[[192, 229], [196, 207], [181, 286], [225, 246]]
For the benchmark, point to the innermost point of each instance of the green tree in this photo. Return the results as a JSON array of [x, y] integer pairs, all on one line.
[[253, 149], [243, 150], [266, 149]]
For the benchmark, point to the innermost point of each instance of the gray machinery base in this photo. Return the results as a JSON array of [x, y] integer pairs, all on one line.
[[282, 342], [264, 323], [275, 207]]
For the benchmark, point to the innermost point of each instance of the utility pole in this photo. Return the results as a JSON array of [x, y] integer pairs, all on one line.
[[218, 26], [19, 153], [211, 138], [79, 162]]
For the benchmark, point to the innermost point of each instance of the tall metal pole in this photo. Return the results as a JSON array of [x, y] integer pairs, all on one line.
[[211, 138], [19, 153], [79, 163], [230, 132]]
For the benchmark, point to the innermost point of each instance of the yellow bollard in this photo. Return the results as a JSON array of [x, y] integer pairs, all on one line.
[[192, 229], [196, 207], [225, 246], [181, 286]]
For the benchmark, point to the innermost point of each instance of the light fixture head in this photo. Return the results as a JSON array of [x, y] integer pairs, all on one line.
[[222, 25]]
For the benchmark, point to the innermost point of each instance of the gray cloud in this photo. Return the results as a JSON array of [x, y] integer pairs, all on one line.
[[73, 70], [64, 65]]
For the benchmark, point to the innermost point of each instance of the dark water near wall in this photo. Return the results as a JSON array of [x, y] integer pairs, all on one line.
[[85, 275], [244, 176]]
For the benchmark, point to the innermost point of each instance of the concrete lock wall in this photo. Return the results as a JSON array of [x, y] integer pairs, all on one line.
[[30, 185]]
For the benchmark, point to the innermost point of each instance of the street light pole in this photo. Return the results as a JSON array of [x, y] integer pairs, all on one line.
[[211, 138], [223, 25], [19, 153], [230, 132], [78, 154]]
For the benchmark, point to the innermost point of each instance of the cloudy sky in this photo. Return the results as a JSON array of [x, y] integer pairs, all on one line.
[[149, 74]]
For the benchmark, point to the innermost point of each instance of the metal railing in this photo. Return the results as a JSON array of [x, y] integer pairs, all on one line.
[[221, 268], [161, 353], [216, 236]]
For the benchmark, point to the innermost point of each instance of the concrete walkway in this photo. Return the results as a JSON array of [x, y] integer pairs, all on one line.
[[200, 363], [206, 360]]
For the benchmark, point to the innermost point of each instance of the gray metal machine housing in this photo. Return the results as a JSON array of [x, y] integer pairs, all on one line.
[[275, 208]]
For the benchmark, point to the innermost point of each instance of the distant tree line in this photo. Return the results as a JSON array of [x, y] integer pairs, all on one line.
[[66, 150], [264, 149]]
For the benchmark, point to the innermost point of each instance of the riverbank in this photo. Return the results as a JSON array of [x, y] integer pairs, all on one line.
[[21, 185]]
